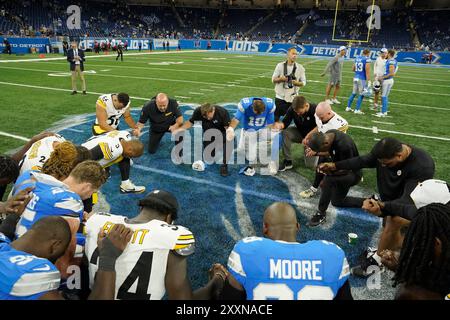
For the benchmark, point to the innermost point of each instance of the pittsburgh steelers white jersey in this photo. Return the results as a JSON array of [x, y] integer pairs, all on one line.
[[336, 123], [141, 268], [39, 152], [105, 101], [110, 145]]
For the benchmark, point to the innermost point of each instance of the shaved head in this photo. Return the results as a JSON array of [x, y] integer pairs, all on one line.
[[280, 222], [162, 101], [324, 111]]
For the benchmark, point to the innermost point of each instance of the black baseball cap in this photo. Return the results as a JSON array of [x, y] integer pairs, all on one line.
[[160, 197]]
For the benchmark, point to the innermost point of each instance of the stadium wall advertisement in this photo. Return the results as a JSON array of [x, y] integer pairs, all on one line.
[[24, 45]]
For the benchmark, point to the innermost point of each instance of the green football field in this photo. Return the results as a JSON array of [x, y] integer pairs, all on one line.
[[36, 94]]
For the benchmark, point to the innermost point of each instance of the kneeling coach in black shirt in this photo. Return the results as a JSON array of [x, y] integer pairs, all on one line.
[[164, 116], [212, 117]]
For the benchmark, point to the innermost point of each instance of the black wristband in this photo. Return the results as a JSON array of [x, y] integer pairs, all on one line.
[[108, 255]]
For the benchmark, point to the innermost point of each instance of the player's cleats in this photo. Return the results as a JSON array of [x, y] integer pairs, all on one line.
[[348, 109], [381, 114], [329, 101], [336, 101], [317, 219], [272, 167], [286, 165], [311, 192], [368, 265], [129, 187], [358, 112], [224, 170]]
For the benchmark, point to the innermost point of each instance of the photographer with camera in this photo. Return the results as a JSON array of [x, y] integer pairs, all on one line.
[[287, 77]]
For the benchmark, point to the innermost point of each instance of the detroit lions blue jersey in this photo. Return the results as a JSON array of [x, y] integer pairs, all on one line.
[[252, 121], [390, 62], [50, 197], [269, 269], [360, 67], [24, 276]]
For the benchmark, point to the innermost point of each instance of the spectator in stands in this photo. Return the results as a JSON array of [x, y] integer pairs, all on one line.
[[334, 68], [288, 77], [65, 47], [76, 58]]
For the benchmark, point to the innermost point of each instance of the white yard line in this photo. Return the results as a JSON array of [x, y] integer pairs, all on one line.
[[403, 133], [6, 134], [382, 122]]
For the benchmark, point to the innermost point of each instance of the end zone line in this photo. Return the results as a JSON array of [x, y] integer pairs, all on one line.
[[249, 192]]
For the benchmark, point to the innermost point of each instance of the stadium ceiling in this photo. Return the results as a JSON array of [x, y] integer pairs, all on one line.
[[304, 4]]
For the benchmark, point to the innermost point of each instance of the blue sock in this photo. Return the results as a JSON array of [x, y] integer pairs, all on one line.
[[350, 100], [359, 102], [384, 101]]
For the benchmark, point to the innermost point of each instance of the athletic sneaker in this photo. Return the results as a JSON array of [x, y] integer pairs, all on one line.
[[329, 101], [336, 101], [311, 192], [348, 109], [317, 219], [381, 114], [272, 167], [358, 112], [129, 187], [286, 165], [368, 265]]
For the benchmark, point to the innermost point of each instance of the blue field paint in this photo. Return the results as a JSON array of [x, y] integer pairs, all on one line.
[[206, 199]]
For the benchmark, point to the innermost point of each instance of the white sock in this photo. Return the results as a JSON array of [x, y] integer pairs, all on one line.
[[313, 189], [125, 181]]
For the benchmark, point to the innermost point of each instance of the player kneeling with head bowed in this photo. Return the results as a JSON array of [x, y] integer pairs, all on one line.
[[117, 147], [257, 116], [156, 258], [27, 269], [279, 267]]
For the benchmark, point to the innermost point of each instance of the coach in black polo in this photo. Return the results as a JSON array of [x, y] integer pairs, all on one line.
[[164, 116], [212, 117]]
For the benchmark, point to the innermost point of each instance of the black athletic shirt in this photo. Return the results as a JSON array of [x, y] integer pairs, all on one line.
[[160, 121], [397, 182], [304, 123], [343, 148], [220, 120]]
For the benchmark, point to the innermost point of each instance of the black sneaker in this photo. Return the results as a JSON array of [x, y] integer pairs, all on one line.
[[367, 265], [286, 165], [317, 219], [224, 170], [73, 92], [84, 92]]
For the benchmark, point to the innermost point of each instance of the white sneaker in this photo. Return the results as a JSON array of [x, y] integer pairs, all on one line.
[[381, 114], [272, 167], [311, 192], [348, 109], [329, 101], [129, 187], [358, 112], [336, 101]]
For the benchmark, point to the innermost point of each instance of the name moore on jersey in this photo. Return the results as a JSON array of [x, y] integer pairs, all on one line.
[[141, 268], [269, 269]]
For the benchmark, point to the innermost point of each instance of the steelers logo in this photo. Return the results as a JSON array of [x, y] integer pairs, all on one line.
[[399, 173]]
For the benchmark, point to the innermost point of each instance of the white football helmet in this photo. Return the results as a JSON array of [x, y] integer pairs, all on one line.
[[376, 86]]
